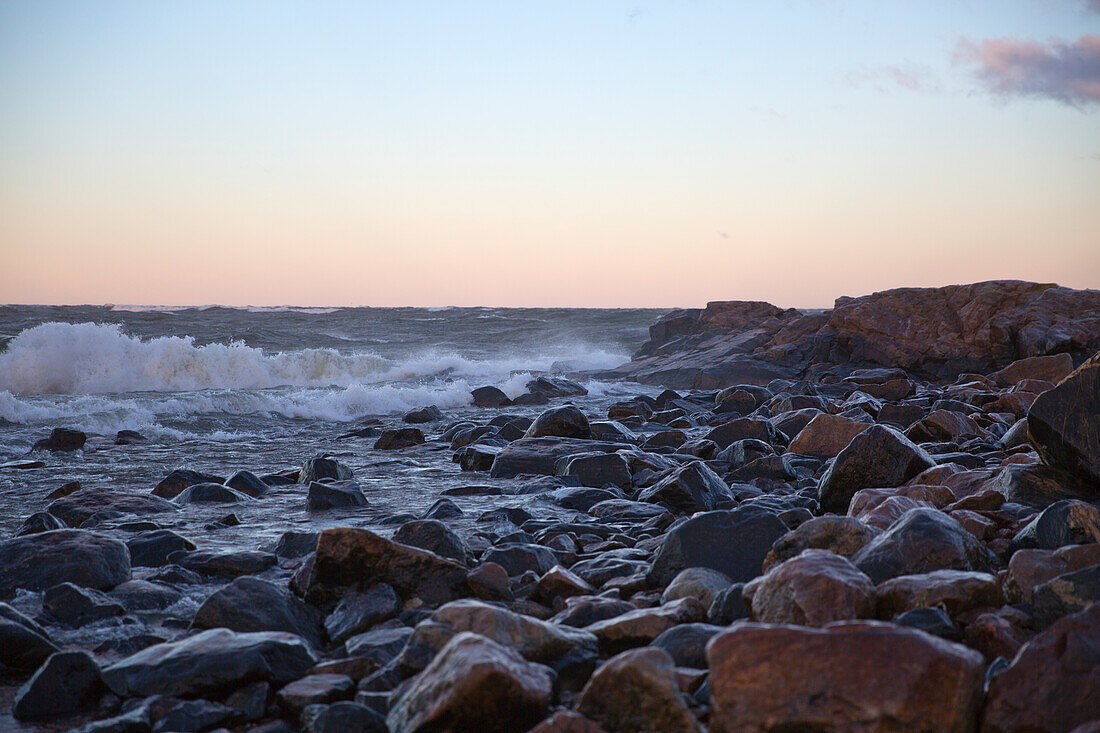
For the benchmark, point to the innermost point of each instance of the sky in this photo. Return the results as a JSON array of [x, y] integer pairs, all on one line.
[[544, 153]]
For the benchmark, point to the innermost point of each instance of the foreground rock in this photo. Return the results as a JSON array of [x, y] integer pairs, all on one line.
[[68, 683], [474, 684], [860, 675], [40, 561], [637, 691], [814, 588]]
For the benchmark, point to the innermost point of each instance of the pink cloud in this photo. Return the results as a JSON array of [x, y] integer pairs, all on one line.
[[1067, 72]]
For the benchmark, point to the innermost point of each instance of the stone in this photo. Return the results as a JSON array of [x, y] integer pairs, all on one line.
[[23, 643], [856, 675], [248, 483], [77, 606], [942, 426], [43, 560], [745, 428], [188, 715], [1064, 424], [421, 415], [210, 663], [143, 595], [1030, 568], [443, 509], [556, 387], [210, 494], [1051, 368], [581, 611], [934, 621], [322, 467], [251, 604], [732, 542], [349, 559], [474, 684], [151, 548], [568, 721], [702, 584], [68, 683], [843, 535], [342, 717], [379, 645], [879, 457], [540, 456], [489, 397], [557, 582], [1053, 683], [728, 605], [489, 582], [687, 643], [560, 422], [637, 691], [520, 557], [826, 435], [814, 588], [954, 591], [232, 564], [62, 439], [642, 626], [176, 481], [922, 541], [398, 438], [39, 522], [293, 544], [597, 469], [433, 536], [315, 689], [358, 612], [324, 495], [1067, 522], [76, 508], [1037, 485], [691, 488], [1066, 594]]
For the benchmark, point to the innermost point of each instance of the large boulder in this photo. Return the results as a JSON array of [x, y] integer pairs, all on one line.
[[813, 588], [826, 435], [78, 507], [542, 455], [635, 692], [1053, 368], [321, 467], [922, 541], [878, 457], [176, 481], [1030, 568], [856, 676], [642, 626], [46, 559], [1064, 424], [843, 535], [210, 663], [1053, 683], [323, 495], [474, 684], [691, 488], [62, 439], [67, 684], [348, 558], [210, 494], [732, 542], [596, 469], [955, 591], [251, 604], [151, 548], [560, 422]]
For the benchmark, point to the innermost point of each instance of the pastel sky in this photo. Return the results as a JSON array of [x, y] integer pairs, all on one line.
[[544, 153]]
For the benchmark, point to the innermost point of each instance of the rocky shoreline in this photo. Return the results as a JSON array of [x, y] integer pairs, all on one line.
[[827, 526]]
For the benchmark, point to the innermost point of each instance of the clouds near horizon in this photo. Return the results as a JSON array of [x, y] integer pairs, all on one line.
[[1058, 70]]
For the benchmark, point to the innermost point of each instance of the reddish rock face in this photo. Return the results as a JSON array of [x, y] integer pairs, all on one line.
[[1064, 424], [826, 435], [637, 691], [855, 676], [1053, 684]]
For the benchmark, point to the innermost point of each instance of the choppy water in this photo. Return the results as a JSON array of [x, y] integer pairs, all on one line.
[[220, 389]]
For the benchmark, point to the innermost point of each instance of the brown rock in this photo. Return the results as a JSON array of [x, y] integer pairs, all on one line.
[[953, 590], [640, 627], [637, 691], [879, 457], [1064, 424], [922, 541], [1029, 568], [1053, 368], [701, 584], [841, 535], [853, 676], [814, 588], [826, 435]]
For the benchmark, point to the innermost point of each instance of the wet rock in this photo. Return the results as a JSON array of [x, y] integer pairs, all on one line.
[[210, 663], [175, 482], [46, 559], [1053, 683], [474, 684], [813, 588], [558, 582], [952, 590], [1064, 424], [188, 715], [78, 507], [142, 595], [433, 536], [942, 425], [342, 717], [62, 439], [348, 559], [322, 467], [1037, 486], [877, 457], [860, 675], [637, 691], [324, 495], [540, 456], [1029, 568], [665, 441], [443, 509], [315, 689], [39, 522], [843, 535], [640, 627], [252, 604], [489, 582], [826, 435], [702, 584], [934, 621], [745, 428], [296, 544], [581, 499], [129, 437], [421, 415], [1066, 594], [567, 721], [728, 605], [210, 494], [694, 487], [518, 557], [560, 422], [226, 564], [248, 483], [23, 643], [732, 542], [556, 387], [68, 683], [398, 438], [152, 548], [581, 611], [687, 644], [358, 612], [597, 469], [1067, 522], [922, 541], [77, 606], [478, 456], [490, 397]]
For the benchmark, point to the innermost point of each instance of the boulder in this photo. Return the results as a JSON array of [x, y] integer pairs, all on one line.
[[1066, 522], [248, 483], [857, 675], [560, 422], [342, 717], [489, 397], [176, 481], [76, 508], [43, 560], [23, 643], [922, 541], [62, 439], [39, 522], [1030, 568], [813, 588], [637, 691], [541, 455], [732, 542], [324, 495], [152, 547], [322, 467], [358, 612], [826, 435], [1037, 485], [691, 488], [1053, 683], [745, 428], [210, 663], [231, 564], [687, 643], [421, 415], [879, 457], [77, 606], [67, 684], [397, 438], [1051, 368], [1064, 424], [702, 584], [474, 684], [251, 604], [556, 387], [642, 626], [433, 536], [955, 591], [520, 557], [596, 469], [210, 494], [314, 689], [1066, 594], [843, 535]]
